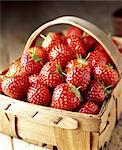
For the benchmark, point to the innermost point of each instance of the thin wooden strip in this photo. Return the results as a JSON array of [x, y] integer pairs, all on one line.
[[72, 139], [94, 140], [8, 124], [19, 108], [106, 133]]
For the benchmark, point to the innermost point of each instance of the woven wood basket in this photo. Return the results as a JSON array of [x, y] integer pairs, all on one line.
[[64, 129]]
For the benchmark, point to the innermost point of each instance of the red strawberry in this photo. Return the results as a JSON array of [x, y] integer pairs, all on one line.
[[15, 68], [89, 108], [74, 31], [66, 97], [78, 73], [51, 40], [50, 74], [94, 92], [4, 72], [98, 56], [33, 60], [105, 74], [15, 86], [89, 42], [38, 94], [60, 53], [34, 78], [76, 46]]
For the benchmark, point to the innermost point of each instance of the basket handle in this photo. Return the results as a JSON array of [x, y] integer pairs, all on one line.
[[89, 28]]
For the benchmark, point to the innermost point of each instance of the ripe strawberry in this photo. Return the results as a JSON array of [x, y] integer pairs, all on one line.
[[76, 46], [98, 56], [33, 60], [89, 42], [4, 72], [50, 74], [74, 31], [95, 92], [51, 40], [60, 53], [105, 74], [34, 78], [14, 68], [38, 94], [78, 73], [66, 97], [89, 108], [15, 86]]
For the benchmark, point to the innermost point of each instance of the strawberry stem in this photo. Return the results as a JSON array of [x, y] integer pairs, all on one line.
[[87, 56], [59, 69], [78, 87], [76, 91], [42, 36]]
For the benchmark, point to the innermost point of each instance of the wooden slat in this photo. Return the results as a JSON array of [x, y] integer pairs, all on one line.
[[94, 140], [72, 139], [24, 109], [106, 133]]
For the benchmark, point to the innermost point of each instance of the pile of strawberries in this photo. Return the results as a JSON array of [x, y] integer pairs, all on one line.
[[69, 71]]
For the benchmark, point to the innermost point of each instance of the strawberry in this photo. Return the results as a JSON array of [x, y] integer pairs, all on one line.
[[89, 108], [66, 97], [60, 53], [33, 60], [51, 40], [15, 86], [105, 74], [50, 74], [38, 94], [98, 56], [4, 71], [73, 31], [14, 68], [89, 42], [34, 78], [78, 73], [95, 92], [76, 46]]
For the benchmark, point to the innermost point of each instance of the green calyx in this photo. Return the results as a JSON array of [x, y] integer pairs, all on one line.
[[59, 69], [76, 91], [107, 89], [110, 65], [82, 61], [2, 77], [35, 57]]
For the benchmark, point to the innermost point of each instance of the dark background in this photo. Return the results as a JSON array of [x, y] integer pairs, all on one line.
[[20, 19]]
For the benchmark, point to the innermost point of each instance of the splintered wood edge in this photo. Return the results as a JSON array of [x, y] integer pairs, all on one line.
[[89, 28]]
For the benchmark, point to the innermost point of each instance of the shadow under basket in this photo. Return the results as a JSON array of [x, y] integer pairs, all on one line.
[[64, 129]]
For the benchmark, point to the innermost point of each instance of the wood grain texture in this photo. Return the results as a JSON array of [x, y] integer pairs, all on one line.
[[72, 139]]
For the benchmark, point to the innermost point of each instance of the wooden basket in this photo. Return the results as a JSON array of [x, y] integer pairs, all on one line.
[[64, 129]]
